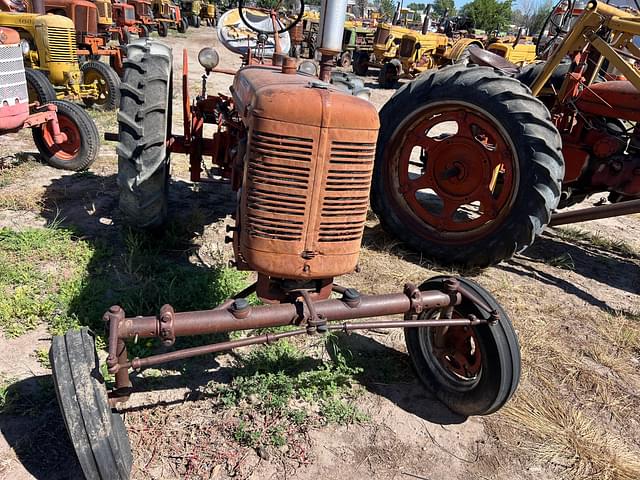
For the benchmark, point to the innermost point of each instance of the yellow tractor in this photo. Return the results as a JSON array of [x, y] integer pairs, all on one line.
[[49, 49], [385, 48], [519, 50]]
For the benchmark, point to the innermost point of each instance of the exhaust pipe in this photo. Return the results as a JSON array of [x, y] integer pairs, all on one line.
[[38, 6], [396, 15], [426, 25], [332, 17]]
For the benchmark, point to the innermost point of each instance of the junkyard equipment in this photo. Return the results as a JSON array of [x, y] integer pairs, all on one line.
[[64, 134], [300, 154], [190, 10], [144, 16], [50, 50], [208, 13], [470, 164], [168, 16]]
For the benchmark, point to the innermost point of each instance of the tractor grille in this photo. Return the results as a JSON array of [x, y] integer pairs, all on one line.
[[13, 85], [104, 10], [382, 35], [279, 171], [346, 196], [406, 47], [62, 44], [85, 19]]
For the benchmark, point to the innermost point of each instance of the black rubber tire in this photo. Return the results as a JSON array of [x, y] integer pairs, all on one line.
[[110, 84], [196, 21], [529, 73], [145, 122], [389, 75], [183, 26], [361, 64], [144, 31], [98, 434], [82, 127], [524, 119], [126, 37], [345, 60], [499, 351], [163, 29], [39, 86]]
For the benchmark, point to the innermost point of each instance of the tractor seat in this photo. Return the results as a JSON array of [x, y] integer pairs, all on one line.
[[480, 56]]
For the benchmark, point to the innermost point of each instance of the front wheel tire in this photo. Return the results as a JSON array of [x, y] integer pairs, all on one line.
[[106, 81], [97, 433], [81, 147], [473, 370]]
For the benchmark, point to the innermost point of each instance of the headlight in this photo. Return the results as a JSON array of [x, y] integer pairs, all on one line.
[[24, 45], [208, 58]]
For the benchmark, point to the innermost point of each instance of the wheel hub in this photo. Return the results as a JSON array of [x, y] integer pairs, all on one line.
[[457, 351]]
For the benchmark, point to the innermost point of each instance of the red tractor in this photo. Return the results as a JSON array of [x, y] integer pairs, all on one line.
[[64, 134], [144, 16], [471, 164], [124, 17], [299, 152]]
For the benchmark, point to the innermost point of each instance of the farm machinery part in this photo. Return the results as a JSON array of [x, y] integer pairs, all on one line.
[[299, 153], [477, 166], [49, 50], [64, 134], [126, 23]]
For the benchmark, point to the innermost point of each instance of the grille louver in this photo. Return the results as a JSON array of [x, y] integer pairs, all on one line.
[[62, 44], [13, 85], [279, 169], [346, 198]]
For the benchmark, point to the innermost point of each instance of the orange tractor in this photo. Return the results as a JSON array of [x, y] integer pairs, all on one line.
[[64, 134], [299, 152], [471, 165], [144, 16]]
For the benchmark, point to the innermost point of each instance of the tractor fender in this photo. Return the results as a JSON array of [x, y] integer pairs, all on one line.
[[459, 46]]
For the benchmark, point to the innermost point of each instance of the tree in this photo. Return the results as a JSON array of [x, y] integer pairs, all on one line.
[[440, 6], [417, 7], [387, 8], [488, 14], [531, 16]]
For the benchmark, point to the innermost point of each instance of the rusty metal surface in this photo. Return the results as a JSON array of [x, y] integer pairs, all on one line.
[[595, 213], [227, 320]]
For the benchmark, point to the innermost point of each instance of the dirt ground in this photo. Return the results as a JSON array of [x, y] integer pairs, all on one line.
[[574, 302]]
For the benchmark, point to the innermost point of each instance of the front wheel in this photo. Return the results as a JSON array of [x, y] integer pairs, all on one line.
[[97, 433], [473, 370], [82, 144], [389, 74], [144, 31], [361, 64], [163, 29], [468, 166], [182, 26], [106, 82], [196, 21], [39, 87], [345, 60]]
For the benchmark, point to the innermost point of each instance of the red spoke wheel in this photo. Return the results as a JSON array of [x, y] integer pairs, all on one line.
[[97, 433], [473, 370], [468, 166], [82, 144]]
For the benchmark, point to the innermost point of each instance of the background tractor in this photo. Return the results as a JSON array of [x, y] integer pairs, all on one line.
[[126, 24], [299, 154], [190, 10], [50, 51], [386, 42], [357, 40], [144, 16], [208, 13], [471, 164], [168, 16], [64, 134]]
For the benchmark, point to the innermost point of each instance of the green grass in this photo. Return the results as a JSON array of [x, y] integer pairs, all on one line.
[[575, 235], [276, 391]]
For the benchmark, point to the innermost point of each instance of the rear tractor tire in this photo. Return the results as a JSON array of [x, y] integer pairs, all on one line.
[[82, 145], [107, 82], [145, 124], [97, 433], [473, 370], [468, 166]]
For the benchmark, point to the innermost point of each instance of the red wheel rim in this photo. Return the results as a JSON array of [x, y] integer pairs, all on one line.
[[457, 351], [453, 171], [68, 150]]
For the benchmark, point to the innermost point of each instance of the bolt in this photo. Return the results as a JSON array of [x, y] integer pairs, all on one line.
[[114, 309], [240, 304], [351, 294], [451, 285]]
